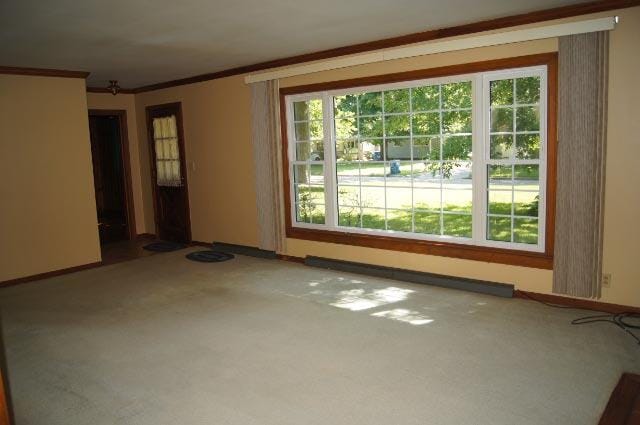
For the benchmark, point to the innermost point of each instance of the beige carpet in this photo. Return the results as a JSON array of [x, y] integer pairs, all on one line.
[[162, 340]]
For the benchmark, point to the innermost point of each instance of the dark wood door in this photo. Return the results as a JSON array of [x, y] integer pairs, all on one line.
[[168, 172], [108, 177]]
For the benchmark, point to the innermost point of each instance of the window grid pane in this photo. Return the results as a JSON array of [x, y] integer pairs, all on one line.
[[165, 137], [403, 157], [397, 151], [307, 165], [513, 173]]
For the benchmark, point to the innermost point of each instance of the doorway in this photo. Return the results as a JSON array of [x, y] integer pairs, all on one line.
[[168, 172], [112, 175]]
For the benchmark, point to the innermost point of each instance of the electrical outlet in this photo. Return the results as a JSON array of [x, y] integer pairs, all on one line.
[[606, 280]]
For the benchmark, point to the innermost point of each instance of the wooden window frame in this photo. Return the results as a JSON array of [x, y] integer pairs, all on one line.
[[542, 260]]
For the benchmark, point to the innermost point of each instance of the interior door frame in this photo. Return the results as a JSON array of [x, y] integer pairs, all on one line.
[[126, 164], [171, 109]]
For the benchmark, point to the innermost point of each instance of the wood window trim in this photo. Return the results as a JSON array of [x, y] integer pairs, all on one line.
[[543, 260]]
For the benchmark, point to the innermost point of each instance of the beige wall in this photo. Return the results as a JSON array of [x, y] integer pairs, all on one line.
[[48, 202], [217, 132], [127, 102], [622, 198], [216, 117], [525, 278]]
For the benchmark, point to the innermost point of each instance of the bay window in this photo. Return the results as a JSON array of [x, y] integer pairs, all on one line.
[[458, 159]]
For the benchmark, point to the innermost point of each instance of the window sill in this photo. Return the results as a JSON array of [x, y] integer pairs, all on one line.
[[417, 246]]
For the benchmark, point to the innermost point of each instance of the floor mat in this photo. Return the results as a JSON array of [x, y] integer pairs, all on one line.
[[164, 246], [209, 256]]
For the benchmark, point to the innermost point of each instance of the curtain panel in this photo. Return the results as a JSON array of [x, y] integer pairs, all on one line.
[[266, 141], [582, 130]]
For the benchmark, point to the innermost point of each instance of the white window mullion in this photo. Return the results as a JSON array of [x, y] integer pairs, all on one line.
[[385, 161], [413, 212], [291, 147], [542, 202], [330, 180], [441, 160], [480, 142]]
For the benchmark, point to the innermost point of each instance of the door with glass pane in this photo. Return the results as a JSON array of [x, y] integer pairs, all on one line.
[[164, 123]]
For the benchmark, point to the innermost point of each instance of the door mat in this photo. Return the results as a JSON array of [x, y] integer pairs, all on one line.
[[209, 256]]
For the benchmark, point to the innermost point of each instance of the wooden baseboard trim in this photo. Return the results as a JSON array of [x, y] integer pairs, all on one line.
[[200, 243], [576, 302], [290, 258], [145, 236], [250, 251], [53, 273]]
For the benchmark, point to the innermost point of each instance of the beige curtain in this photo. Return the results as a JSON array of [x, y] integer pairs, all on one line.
[[165, 135], [582, 130], [265, 137]]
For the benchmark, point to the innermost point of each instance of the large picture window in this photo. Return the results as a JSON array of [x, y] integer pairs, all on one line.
[[459, 159]]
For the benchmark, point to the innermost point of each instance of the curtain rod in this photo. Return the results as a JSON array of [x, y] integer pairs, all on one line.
[[441, 46]]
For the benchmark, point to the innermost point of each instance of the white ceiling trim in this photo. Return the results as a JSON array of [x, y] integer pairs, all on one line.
[[441, 46]]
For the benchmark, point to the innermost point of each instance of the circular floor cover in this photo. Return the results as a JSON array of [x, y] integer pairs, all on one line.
[[164, 246], [209, 256]]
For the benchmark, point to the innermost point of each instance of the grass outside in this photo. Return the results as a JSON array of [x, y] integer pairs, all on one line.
[[364, 206], [525, 230], [525, 203], [420, 168]]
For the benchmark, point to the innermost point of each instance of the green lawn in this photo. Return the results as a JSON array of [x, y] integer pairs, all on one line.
[[519, 172], [428, 222], [455, 220], [378, 169]]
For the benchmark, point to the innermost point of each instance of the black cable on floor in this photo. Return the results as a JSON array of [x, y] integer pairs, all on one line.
[[621, 320], [617, 319]]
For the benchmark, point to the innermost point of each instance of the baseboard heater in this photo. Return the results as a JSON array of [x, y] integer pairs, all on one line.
[[473, 285], [244, 250]]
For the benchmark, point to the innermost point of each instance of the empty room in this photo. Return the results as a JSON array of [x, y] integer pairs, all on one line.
[[303, 212]]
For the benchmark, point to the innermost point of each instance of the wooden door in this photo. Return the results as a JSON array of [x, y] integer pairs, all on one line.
[[111, 176], [168, 172]]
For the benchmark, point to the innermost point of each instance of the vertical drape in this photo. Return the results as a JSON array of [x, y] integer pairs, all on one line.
[[165, 136], [582, 128], [265, 137]]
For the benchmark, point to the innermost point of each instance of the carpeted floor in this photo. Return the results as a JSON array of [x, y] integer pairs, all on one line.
[[164, 340]]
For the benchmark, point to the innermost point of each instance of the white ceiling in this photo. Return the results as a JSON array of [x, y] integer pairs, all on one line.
[[140, 42]]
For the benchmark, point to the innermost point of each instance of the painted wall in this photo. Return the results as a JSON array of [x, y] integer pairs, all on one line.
[[217, 132], [622, 202], [48, 215], [127, 102], [622, 197]]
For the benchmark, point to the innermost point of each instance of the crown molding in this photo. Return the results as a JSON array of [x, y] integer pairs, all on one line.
[[106, 90], [43, 72], [476, 27], [448, 45]]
